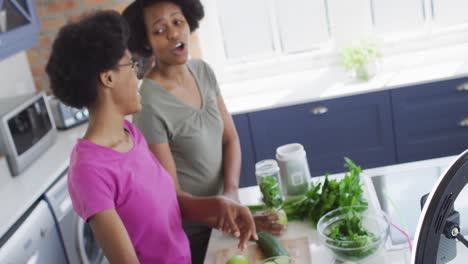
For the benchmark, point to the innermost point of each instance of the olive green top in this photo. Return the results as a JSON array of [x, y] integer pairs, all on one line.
[[194, 135]]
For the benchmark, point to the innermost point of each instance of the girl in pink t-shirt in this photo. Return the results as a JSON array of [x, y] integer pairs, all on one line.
[[115, 182]]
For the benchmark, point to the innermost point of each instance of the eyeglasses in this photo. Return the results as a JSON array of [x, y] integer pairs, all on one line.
[[134, 64]]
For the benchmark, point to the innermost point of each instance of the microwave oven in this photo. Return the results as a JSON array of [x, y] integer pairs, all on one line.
[[27, 129]]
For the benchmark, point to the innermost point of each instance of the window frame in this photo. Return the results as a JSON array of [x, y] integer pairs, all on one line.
[[212, 47]]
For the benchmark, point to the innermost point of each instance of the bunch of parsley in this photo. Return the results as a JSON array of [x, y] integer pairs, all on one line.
[[323, 198]]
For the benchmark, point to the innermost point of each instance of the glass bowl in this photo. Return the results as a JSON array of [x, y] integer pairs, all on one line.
[[353, 233]]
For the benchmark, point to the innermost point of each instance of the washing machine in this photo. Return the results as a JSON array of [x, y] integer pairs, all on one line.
[[78, 239], [34, 238]]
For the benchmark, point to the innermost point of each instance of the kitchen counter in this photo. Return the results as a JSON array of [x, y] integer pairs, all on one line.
[[331, 82], [18, 193], [390, 254]]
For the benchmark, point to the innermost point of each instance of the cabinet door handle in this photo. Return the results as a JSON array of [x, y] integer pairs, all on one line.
[[462, 87], [463, 123], [319, 110], [3, 21], [34, 258]]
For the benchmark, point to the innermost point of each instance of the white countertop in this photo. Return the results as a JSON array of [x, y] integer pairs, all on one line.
[[18, 193], [319, 254], [331, 82]]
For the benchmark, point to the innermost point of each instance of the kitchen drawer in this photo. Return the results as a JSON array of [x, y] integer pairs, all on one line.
[[359, 127], [247, 177], [431, 120]]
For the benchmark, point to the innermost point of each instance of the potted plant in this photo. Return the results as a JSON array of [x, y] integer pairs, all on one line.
[[361, 60]]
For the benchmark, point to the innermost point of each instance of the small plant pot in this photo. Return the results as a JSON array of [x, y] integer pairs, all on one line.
[[365, 71]]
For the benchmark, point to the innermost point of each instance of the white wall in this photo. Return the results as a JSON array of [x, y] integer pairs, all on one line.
[[15, 76], [15, 79]]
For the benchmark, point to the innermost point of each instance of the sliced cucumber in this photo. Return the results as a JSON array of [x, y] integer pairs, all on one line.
[[278, 260]]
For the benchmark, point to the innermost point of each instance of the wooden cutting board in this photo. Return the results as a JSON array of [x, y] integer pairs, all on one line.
[[298, 249]]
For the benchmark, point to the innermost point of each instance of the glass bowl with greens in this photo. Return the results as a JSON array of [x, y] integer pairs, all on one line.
[[353, 233]]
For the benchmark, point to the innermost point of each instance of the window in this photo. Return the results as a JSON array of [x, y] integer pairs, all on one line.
[[397, 15], [248, 35], [349, 20], [302, 25], [449, 12], [270, 27], [247, 39], [13, 14]]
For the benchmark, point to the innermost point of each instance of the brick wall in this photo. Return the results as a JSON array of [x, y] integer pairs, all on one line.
[[53, 14]]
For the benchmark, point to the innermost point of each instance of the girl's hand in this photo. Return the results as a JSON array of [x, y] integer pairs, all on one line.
[[236, 219], [267, 223]]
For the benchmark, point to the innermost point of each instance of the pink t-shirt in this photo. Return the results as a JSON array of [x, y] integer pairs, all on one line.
[[138, 188]]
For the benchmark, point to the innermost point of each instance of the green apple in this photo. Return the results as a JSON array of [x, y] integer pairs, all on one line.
[[238, 259]]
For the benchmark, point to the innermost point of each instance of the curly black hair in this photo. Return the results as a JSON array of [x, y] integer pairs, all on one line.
[[81, 51], [192, 10]]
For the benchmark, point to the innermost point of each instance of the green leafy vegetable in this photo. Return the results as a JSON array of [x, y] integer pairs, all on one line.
[[256, 208], [323, 198], [271, 191], [353, 241]]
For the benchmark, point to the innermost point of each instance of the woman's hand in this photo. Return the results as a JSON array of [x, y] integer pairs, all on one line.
[[233, 195], [236, 219], [267, 223]]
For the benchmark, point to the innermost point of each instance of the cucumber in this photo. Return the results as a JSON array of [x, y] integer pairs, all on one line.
[[270, 246]]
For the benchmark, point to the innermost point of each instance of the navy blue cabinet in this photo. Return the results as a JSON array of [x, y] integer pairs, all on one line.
[[359, 127], [247, 177], [431, 120], [19, 26]]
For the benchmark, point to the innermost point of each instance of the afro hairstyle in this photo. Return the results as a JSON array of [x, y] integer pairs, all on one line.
[[81, 51]]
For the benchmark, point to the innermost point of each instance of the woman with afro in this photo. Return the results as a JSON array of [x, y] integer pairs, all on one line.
[[184, 117]]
